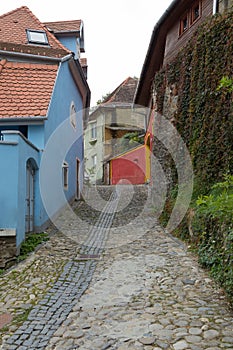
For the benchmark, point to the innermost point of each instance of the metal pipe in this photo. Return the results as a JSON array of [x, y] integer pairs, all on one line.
[[22, 120], [215, 5], [36, 57]]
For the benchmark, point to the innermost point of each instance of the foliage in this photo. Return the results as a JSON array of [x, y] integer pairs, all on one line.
[[226, 83], [219, 203], [204, 121], [130, 140], [133, 137], [30, 243], [103, 98], [214, 228]]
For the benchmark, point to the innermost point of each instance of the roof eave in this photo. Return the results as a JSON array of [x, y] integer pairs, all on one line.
[[67, 33], [22, 120], [32, 56], [142, 96]]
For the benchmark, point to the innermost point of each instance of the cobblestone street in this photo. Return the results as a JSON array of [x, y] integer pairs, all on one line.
[[112, 278]]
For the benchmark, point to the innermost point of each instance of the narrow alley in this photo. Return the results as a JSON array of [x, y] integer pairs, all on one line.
[[113, 279]]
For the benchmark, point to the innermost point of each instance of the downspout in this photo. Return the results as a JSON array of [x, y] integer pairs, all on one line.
[[215, 7]]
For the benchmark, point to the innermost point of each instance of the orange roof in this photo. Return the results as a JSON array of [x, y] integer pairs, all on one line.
[[26, 88], [64, 26], [13, 36]]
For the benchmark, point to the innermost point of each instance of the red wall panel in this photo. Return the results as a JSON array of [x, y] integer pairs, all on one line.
[[130, 168]]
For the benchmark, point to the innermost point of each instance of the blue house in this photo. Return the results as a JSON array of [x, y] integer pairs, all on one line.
[[44, 97]]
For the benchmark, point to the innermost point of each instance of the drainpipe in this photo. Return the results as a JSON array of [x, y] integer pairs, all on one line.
[[215, 7]]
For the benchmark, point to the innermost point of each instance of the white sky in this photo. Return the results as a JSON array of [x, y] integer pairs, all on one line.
[[117, 34]]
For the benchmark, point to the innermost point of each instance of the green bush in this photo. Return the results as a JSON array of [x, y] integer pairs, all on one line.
[[213, 225], [30, 243]]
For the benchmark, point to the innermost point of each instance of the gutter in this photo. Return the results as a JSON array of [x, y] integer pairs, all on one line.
[[22, 120], [36, 57]]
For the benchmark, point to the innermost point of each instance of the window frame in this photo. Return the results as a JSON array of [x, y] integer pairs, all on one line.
[[182, 29], [93, 130], [65, 175], [192, 16], [94, 161], [38, 42], [189, 16]]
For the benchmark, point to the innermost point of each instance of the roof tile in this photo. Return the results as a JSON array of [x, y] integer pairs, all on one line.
[[64, 26], [13, 35], [29, 94], [123, 93]]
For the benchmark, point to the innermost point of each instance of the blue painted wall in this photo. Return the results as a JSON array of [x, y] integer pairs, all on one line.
[[14, 157], [36, 135], [59, 131], [71, 44], [15, 152]]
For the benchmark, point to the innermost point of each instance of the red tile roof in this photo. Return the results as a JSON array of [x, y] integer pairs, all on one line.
[[64, 26], [26, 88], [13, 35]]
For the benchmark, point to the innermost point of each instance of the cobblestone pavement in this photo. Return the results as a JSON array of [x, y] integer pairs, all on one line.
[[114, 280]]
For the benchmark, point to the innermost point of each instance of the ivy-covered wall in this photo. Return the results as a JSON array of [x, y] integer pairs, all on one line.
[[194, 91], [203, 114]]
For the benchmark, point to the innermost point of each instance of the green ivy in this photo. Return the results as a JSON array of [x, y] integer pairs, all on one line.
[[213, 226], [202, 71]]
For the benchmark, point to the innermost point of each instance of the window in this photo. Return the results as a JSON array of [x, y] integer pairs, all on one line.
[[196, 12], [37, 37], [65, 168], [94, 161], [193, 14], [94, 131], [73, 115], [184, 24]]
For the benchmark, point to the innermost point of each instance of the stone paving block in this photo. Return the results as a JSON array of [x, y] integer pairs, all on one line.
[[178, 306]]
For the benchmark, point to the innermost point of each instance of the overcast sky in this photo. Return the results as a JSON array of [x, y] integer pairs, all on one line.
[[117, 34]]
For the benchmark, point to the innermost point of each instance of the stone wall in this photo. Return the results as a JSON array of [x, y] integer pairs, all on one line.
[[8, 250], [225, 5]]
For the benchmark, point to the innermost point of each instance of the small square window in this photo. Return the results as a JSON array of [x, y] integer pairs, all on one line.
[[37, 37]]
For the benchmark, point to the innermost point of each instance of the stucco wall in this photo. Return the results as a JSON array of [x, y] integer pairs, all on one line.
[[69, 145], [15, 152], [95, 175], [129, 168]]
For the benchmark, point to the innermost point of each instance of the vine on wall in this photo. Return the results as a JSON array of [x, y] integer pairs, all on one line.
[[203, 73], [204, 116]]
